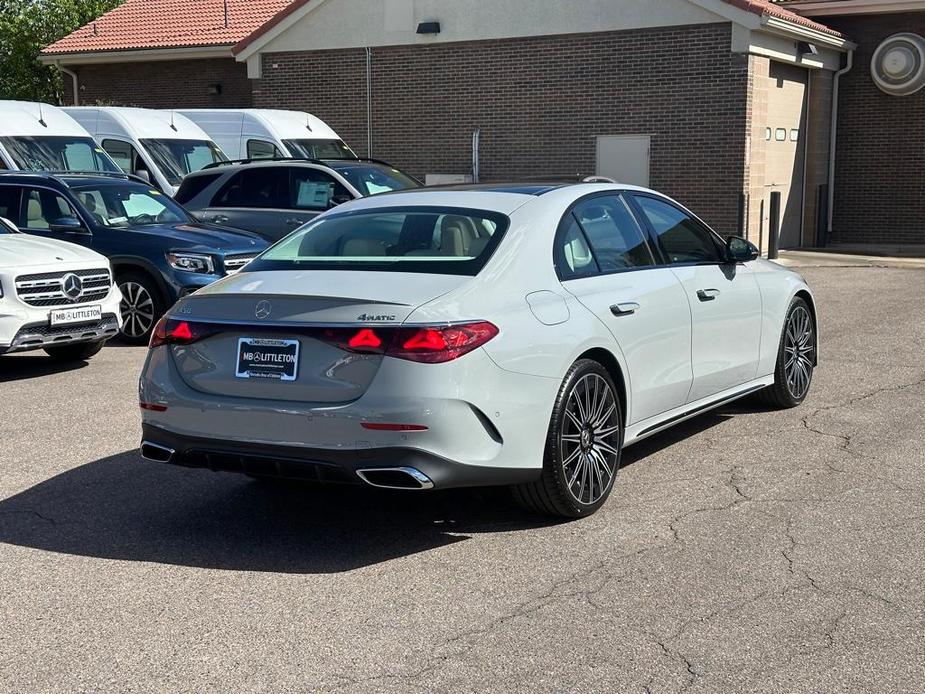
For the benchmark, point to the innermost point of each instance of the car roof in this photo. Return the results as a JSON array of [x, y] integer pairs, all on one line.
[[68, 179]]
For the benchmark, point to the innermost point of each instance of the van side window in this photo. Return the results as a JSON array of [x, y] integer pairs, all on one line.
[[259, 149], [125, 156]]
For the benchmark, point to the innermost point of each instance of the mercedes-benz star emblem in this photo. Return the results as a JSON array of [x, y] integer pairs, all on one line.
[[263, 309], [72, 286]]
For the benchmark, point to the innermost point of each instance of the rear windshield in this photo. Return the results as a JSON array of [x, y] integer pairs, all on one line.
[[436, 240]]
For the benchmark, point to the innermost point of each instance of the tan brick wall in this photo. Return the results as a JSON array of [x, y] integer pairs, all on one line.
[[755, 177]]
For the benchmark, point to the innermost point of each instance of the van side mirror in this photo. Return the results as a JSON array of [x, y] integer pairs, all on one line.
[[66, 224], [739, 250]]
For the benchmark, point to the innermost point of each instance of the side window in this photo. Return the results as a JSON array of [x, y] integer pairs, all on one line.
[[258, 149], [193, 186], [311, 189], [44, 208], [9, 203], [122, 153], [572, 254], [683, 238], [616, 239], [256, 187]]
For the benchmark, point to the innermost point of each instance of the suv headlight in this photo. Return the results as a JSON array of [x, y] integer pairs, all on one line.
[[191, 262]]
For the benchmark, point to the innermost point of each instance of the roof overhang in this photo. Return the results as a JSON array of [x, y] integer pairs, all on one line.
[[823, 8], [136, 55]]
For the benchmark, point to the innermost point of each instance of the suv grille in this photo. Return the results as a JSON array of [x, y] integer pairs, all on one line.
[[48, 288], [233, 263]]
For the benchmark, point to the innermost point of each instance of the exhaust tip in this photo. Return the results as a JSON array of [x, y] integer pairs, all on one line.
[[156, 452], [395, 478]]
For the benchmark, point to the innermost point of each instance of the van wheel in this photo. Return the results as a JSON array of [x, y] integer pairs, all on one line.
[[141, 307], [78, 352], [583, 446]]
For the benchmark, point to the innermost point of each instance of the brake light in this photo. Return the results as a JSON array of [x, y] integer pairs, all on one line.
[[365, 338], [438, 344], [170, 331]]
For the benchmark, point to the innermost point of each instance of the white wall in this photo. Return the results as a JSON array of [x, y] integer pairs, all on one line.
[[357, 23]]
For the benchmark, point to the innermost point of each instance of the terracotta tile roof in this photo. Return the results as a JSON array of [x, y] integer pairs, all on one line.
[[139, 24], [766, 7]]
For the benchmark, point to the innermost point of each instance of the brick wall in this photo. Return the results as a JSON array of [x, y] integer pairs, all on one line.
[[163, 84], [880, 154], [540, 102]]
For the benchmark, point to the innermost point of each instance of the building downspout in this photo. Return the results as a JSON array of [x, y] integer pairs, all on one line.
[[833, 141], [74, 83], [369, 101]]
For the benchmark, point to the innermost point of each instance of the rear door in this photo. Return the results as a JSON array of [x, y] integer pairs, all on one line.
[[44, 212], [311, 192], [254, 199], [725, 302], [604, 260]]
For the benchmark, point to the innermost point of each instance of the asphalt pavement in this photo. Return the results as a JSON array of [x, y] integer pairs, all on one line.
[[747, 550]]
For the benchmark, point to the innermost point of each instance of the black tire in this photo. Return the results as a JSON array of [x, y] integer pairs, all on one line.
[[141, 307], [787, 392], [76, 352], [554, 493]]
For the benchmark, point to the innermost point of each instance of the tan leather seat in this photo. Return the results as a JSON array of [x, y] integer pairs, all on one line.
[[34, 217], [456, 235], [363, 248]]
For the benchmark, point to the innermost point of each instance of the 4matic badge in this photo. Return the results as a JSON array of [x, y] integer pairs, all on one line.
[[366, 318]]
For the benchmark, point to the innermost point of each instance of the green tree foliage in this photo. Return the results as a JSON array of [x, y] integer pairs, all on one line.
[[26, 27]]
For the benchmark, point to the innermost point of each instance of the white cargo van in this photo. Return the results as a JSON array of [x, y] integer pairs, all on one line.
[[40, 137], [160, 146], [261, 133]]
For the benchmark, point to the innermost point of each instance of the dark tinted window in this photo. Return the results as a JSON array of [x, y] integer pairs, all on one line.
[[258, 149], [573, 255], [193, 186], [312, 189], [263, 186], [684, 239], [319, 149], [615, 236], [9, 203], [371, 179]]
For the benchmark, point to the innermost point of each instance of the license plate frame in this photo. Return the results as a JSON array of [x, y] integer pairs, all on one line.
[[75, 315], [263, 361]]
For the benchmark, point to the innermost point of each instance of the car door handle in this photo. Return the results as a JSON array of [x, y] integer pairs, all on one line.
[[220, 218], [625, 308], [707, 294], [292, 221]]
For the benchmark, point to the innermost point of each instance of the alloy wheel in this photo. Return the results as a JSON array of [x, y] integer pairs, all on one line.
[[799, 348], [589, 443], [137, 309]]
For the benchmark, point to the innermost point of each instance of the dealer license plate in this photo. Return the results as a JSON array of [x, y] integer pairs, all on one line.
[[272, 359], [80, 314]]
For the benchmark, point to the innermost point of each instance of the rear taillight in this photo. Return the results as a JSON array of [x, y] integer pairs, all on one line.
[[437, 344], [170, 331], [432, 344]]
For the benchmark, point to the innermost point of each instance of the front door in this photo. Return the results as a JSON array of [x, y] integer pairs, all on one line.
[[604, 260], [724, 299]]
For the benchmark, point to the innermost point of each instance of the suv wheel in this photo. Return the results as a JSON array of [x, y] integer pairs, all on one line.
[[141, 307]]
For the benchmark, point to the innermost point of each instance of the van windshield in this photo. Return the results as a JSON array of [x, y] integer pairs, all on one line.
[[176, 158], [319, 149], [58, 153], [436, 240]]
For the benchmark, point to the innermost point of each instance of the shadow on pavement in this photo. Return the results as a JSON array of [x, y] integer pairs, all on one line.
[[20, 367], [121, 507]]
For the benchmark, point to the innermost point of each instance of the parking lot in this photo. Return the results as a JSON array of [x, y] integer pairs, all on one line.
[[746, 550]]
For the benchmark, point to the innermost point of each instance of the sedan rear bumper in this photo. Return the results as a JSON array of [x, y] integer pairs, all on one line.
[[380, 467]]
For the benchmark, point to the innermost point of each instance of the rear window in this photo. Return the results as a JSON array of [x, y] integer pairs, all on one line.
[[193, 186], [449, 241]]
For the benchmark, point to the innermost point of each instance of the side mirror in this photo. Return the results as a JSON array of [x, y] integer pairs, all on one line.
[[739, 250], [8, 225], [66, 224], [143, 174]]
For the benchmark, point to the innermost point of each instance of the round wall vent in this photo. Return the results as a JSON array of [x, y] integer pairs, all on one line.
[[898, 65]]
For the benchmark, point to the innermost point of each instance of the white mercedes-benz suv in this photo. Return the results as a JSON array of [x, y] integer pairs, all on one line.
[[516, 335], [55, 296]]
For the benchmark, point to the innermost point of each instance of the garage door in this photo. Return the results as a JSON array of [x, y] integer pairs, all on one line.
[[786, 147]]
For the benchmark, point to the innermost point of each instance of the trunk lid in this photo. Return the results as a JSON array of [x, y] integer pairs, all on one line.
[[311, 312]]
